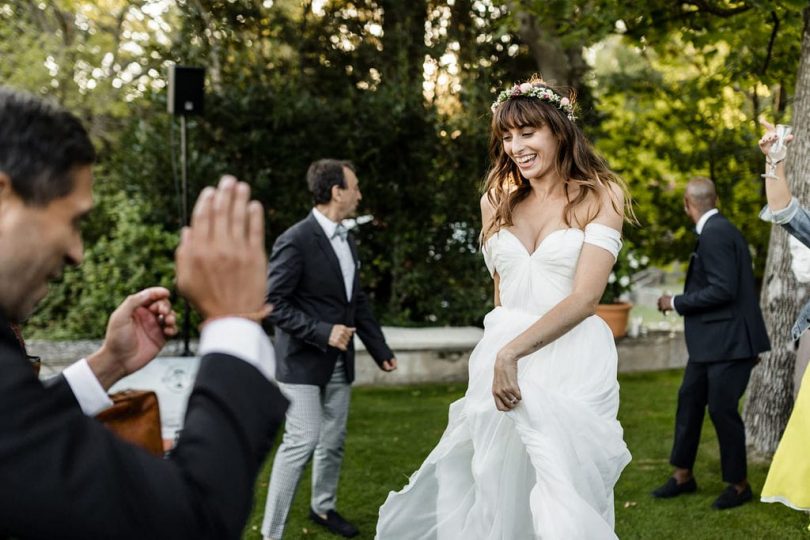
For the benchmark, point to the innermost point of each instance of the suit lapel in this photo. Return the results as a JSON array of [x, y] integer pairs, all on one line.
[[356, 260], [694, 253], [326, 248], [692, 257]]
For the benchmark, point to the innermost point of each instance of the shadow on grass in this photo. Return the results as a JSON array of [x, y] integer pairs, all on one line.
[[392, 429]]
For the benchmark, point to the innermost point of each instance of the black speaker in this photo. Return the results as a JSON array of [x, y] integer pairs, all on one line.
[[186, 90]]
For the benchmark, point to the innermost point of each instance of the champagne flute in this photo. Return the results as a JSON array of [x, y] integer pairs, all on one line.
[[778, 150]]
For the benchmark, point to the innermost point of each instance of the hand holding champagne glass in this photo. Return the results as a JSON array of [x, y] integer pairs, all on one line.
[[774, 145]]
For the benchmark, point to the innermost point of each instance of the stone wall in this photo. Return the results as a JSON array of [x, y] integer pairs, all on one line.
[[424, 354]]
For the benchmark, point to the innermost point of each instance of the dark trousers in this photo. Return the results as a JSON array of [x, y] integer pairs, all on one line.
[[720, 385]]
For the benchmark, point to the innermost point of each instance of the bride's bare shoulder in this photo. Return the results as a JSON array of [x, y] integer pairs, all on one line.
[[490, 201], [611, 206], [603, 206]]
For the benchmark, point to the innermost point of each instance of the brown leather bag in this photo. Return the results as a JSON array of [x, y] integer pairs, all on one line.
[[135, 417]]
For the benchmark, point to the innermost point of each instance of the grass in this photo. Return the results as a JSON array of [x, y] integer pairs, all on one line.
[[647, 414], [392, 429]]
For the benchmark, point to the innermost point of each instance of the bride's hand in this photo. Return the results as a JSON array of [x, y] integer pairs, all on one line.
[[505, 389]]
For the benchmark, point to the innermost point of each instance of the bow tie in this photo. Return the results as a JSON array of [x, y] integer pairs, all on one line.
[[340, 231]]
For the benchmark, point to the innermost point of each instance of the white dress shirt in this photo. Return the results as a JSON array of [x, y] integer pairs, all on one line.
[[341, 249], [235, 336], [699, 229]]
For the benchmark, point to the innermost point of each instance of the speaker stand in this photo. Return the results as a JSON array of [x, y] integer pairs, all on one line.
[[184, 209]]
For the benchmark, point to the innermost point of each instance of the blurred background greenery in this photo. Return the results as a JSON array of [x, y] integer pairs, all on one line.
[[667, 90]]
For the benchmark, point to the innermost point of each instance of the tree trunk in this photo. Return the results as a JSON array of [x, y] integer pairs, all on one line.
[[770, 392], [558, 64]]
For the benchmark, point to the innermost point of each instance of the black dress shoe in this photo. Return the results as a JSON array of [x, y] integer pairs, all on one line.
[[335, 523], [672, 488], [730, 498]]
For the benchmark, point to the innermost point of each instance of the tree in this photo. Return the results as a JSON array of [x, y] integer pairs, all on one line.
[[351, 83], [403, 89], [770, 392]]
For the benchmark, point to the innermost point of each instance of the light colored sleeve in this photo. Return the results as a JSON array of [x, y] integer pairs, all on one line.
[[241, 338], [674, 307], [88, 391], [799, 259], [780, 217], [487, 251], [604, 237]]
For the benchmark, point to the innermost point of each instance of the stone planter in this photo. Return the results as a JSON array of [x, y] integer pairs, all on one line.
[[616, 317]]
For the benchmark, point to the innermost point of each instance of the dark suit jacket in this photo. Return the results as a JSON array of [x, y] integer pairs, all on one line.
[[722, 319], [305, 287], [64, 475]]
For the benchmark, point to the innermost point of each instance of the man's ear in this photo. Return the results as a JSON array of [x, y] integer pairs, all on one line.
[[335, 192], [5, 186], [5, 192], [8, 197]]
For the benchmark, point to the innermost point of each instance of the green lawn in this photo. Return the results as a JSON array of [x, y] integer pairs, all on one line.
[[392, 429]]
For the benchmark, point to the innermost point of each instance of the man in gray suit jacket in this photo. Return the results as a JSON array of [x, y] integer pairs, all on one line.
[[318, 305]]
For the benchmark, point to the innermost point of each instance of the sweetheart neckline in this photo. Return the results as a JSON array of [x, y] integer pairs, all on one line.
[[543, 241]]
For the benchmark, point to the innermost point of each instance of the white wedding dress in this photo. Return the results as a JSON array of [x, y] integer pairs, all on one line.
[[547, 468]]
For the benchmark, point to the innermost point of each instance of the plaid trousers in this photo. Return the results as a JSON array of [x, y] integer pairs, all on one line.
[[315, 426]]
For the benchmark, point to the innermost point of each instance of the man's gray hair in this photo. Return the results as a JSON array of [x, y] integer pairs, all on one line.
[[702, 193]]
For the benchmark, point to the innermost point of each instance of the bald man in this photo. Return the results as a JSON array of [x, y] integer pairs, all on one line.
[[724, 334]]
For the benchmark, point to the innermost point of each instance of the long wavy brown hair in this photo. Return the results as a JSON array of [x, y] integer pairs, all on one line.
[[577, 163]]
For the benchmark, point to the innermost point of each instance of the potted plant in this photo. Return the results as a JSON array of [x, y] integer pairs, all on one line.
[[614, 306]]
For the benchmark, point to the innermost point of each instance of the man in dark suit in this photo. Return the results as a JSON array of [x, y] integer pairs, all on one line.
[[314, 288], [63, 474], [725, 332]]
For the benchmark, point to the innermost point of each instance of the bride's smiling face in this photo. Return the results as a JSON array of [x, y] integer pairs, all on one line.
[[532, 149]]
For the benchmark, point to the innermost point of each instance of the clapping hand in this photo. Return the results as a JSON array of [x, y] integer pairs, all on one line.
[[136, 332], [221, 261]]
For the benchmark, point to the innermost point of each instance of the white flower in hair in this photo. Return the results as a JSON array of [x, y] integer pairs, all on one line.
[[539, 91]]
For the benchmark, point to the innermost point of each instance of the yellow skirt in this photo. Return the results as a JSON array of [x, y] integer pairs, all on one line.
[[788, 479]]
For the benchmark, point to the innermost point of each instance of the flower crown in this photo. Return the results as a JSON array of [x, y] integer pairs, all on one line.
[[540, 91]]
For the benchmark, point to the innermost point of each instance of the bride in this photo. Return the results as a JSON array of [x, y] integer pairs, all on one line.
[[533, 449]]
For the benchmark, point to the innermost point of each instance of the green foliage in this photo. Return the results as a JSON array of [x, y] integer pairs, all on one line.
[[402, 89], [684, 106], [349, 91], [92, 57], [620, 282], [128, 255]]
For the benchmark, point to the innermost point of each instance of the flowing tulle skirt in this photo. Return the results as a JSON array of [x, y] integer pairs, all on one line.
[[546, 469]]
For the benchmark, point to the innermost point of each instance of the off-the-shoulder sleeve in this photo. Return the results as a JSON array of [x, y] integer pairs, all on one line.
[[486, 249], [603, 236]]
